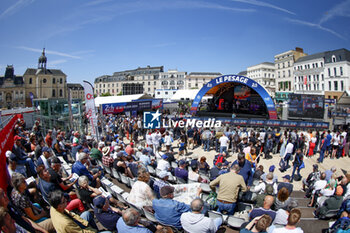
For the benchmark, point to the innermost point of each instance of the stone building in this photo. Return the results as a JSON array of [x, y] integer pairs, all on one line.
[[43, 82], [12, 90], [76, 90]]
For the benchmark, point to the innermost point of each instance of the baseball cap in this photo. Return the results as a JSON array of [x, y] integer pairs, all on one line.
[[145, 151], [99, 202], [165, 190], [272, 168], [17, 138], [86, 150], [131, 143], [45, 149], [164, 156], [182, 162], [163, 174], [79, 147], [286, 177]]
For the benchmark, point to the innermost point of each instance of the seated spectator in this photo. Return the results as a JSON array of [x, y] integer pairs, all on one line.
[[320, 184], [329, 173], [21, 200], [259, 199], [266, 209], [293, 219], [194, 176], [342, 223], [167, 210], [21, 220], [214, 171], [258, 224], [158, 184], [203, 165], [130, 222], [121, 167], [312, 177], [195, 221], [66, 221], [107, 159], [326, 192], [86, 192], [181, 171], [130, 149], [229, 186], [221, 158], [107, 215], [80, 169], [133, 165], [44, 183], [286, 183], [282, 199], [331, 203], [259, 171], [43, 159], [7, 224], [144, 158], [60, 148], [57, 179], [141, 194], [12, 164], [260, 188], [163, 164], [271, 170], [22, 157], [95, 153], [283, 213], [245, 169]]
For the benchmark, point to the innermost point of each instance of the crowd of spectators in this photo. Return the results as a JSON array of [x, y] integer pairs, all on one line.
[[155, 160]]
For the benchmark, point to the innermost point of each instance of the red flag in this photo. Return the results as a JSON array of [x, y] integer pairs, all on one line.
[[305, 80]]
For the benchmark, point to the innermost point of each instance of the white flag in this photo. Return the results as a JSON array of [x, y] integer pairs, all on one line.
[[90, 107]]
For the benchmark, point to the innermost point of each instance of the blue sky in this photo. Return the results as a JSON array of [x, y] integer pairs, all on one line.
[[86, 39]]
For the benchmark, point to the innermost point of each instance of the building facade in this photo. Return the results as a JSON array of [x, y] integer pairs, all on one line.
[[113, 84], [284, 64], [12, 90], [76, 90], [196, 80], [337, 73], [44, 83], [264, 74], [173, 79]]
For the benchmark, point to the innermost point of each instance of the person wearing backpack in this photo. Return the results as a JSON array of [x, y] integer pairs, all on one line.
[[297, 165]]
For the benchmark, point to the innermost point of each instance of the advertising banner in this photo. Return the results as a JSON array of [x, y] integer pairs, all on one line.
[[114, 108], [90, 107], [6, 143]]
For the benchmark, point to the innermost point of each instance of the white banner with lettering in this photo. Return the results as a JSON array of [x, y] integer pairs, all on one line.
[[90, 107]]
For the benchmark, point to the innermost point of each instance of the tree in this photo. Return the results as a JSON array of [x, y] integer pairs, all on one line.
[[106, 94], [120, 93]]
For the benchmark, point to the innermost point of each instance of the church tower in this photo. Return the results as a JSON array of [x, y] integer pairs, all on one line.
[[42, 61]]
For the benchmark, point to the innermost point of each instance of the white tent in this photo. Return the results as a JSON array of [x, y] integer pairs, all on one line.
[[183, 95], [119, 99]]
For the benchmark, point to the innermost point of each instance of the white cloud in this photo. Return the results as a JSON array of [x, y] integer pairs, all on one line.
[[315, 25], [265, 4], [15, 7], [56, 62], [48, 52], [341, 9], [97, 2]]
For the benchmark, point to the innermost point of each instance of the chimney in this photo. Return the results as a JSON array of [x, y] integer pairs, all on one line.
[[299, 49]]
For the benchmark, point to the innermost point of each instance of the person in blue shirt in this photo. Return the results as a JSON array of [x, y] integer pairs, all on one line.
[[80, 169], [107, 215], [167, 210], [130, 222], [246, 169]]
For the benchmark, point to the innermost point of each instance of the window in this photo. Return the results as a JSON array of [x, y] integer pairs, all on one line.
[[53, 93], [335, 85], [149, 89], [44, 80], [112, 84], [329, 72], [158, 92], [288, 73], [329, 85], [53, 81], [321, 64], [30, 80], [61, 80], [342, 85], [166, 92], [61, 93], [322, 77], [288, 64], [284, 74], [333, 59], [341, 71]]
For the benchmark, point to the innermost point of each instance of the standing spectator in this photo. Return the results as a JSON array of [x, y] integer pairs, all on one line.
[[287, 155], [190, 134], [224, 141], [312, 144], [245, 169], [229, 186], [323, 148], [298, 161], [206, 137]]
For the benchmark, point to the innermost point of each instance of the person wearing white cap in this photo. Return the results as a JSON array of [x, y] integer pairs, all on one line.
[[163, 164], [158, 184]]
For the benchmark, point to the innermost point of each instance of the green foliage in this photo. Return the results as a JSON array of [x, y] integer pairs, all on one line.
[[106, 94]]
